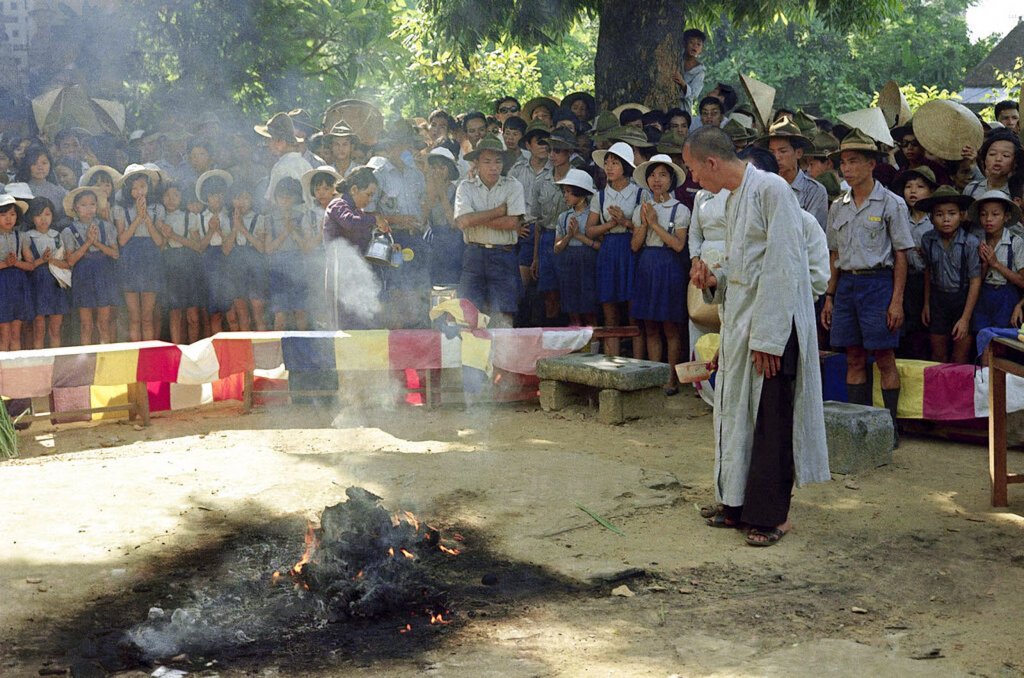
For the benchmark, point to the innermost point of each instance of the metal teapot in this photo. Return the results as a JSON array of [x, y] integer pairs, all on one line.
[[379, 251]]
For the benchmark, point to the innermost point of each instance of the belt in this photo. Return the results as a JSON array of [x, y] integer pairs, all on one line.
[[500, 248], [868, 271]]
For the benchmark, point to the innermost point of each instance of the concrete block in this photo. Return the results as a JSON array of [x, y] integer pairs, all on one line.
[[557, 395], [615, 407], [604, 372], [859, 437]]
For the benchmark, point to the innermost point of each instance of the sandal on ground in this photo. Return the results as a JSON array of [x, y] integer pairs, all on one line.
[[758, 537], [720, 520], [711, 510]]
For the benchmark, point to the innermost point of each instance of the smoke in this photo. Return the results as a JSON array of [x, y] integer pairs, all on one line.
[[356, 287]]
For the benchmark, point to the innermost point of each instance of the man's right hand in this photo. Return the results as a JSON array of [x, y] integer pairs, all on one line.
[[702, 277]]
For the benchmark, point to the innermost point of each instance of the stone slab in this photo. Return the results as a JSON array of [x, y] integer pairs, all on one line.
[[616, 407], [859, 437], [604, 372], [557, 395]]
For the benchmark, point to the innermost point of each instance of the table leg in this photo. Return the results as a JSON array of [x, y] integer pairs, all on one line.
[[997, 433], [142, 401], [247, 392]]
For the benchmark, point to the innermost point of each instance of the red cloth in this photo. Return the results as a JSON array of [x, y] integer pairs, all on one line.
[[159, 395], [234, 356], [229, 388], [948, 392], [414, 349], [159, 364]]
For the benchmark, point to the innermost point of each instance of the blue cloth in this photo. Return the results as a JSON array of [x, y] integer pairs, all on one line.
[[577, 280], [140, 266], [219, 284], [616, 266], [414, 274], [547, 278], [308, 354], [986, 335], [860, 312], [48, 298], [94, 282], [15, 296], [490, 279], [524, 247], [287, 286], [659, 290], [185, 280], [446, 248], [995, 306]]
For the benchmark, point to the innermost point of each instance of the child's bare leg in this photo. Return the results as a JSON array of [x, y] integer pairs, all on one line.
[[54, 323], [39, 332], [259, 315], [85, 316], [192, 317], [177, 330], [148, 314], [103, 316]]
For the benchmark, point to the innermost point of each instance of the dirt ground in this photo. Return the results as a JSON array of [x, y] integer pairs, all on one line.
[[905, 570]]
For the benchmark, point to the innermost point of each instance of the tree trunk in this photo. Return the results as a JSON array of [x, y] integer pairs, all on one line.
[[639, 46]]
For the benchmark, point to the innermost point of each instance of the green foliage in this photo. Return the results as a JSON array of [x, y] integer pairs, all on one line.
[[916, 97], [1012, 81]]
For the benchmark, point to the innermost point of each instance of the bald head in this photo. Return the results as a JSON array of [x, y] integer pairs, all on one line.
[[711, 159], [710, 142]]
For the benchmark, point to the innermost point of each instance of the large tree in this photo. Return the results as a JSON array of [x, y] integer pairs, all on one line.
[[639, 42]]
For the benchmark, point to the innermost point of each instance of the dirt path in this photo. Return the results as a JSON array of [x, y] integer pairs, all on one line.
[[901, 571]]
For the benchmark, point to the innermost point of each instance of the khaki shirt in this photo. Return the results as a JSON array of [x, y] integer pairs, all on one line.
[[473, 196], [866, 237], [523, 172], [547, 202], [812, 197]]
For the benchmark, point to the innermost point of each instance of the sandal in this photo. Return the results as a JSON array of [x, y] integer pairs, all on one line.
[[721, 520], [758, 537], [711, 510]]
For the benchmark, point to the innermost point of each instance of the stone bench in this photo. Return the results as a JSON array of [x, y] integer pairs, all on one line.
[[859, 437], [626, 388]]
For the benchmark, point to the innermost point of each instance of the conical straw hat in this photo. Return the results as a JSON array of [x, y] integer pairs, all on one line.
[[871, 121], [762, 98], [944, 127], [893, 104]]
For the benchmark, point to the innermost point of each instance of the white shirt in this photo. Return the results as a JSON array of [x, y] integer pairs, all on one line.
[[628, 200], [473, 196], [291, 164]]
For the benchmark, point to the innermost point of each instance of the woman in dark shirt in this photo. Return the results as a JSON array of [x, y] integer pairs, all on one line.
[[353, 285]]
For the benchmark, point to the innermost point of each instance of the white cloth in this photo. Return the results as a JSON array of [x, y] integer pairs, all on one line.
[[707, 225], [291, 164], [765, 291]]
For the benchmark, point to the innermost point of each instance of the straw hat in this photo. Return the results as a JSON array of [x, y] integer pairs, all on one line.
[[617, 111], [894, 105], [69, 198], [134, 169], [738, 133], [303, 123], [856, 140], [944, 194], [785, 128], [532, 104], [341, 131], [822, 145], [206, 176], [995, 196], [8, 199], [20, 190], [307, 178], [640, 173], [634, 136], [620, 150], [944, 127], [488, 143], [671, 143], [87, 175], [762, 98], [921, 172], [444, 156], [579, 179], [280, 126], [870, 121]]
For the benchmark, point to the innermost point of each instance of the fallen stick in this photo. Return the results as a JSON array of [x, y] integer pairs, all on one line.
[[601, 520]]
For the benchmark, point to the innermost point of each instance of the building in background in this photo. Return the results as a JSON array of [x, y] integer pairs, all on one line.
[[981, 88]]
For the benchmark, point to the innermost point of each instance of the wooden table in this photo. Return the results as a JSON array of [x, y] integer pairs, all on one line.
[[1005, 356]]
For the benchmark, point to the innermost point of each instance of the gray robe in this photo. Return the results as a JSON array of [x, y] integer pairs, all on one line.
[[765, 288]]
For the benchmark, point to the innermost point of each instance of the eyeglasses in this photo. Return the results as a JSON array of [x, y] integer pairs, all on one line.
[[908, 144], [508, 109]]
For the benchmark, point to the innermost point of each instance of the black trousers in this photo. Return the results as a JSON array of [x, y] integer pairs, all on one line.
[[769, 487]]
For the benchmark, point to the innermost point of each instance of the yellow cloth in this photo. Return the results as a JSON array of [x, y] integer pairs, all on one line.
[[476, 351], [362, 350], [115, 368], [911, 388], [109, 396], [707, 346]]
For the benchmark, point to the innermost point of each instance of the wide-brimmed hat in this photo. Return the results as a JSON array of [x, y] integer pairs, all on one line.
[[995, 196], [944, 194], [585, 97], [280, 126], [671, 143], [617, 111], [69, 198], [488, 143], [342, 131], [856, 140], [743, 115], [822, 145], [921, 172], [307, 178], [536, 128], [634, 136], [785, 128], [8, 199], [806, 122], [604, 123], [621, 150], [532, 104], [87, 175], [762, 98], [640, 173], [444, 156], [562, 139], [738, 133], [894, 105], [134, 169], [20, 190], [579, 179], [944, 127], [206, 176], [870, 121], [303, 123], [402, 133]]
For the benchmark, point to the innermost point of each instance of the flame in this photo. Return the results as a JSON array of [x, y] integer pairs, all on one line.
[[409, 554], [439, 619], [359, 575], [391, 551], [276, 577], [411, 519], [451, 552], [407, 629], [311, 543], [458, 537]]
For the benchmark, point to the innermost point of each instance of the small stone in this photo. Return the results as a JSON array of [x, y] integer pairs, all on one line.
[[654, 588], [139, 427], [851, 484], [623, 591], [687, 592], [33, 580], [858, 610], [489, 579], [42, 589]]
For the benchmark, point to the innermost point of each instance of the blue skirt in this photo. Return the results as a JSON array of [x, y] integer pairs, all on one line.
[[616, 267], [141, 266], [547, 276], [253, 272], [94, 282], [220, 285], [15, 296], [577, 277], [659, 292], [995, 306], [48, 297], [185, 284], [287, 283]]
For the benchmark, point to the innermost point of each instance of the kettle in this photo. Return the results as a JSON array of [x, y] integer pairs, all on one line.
[[379, 251]]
